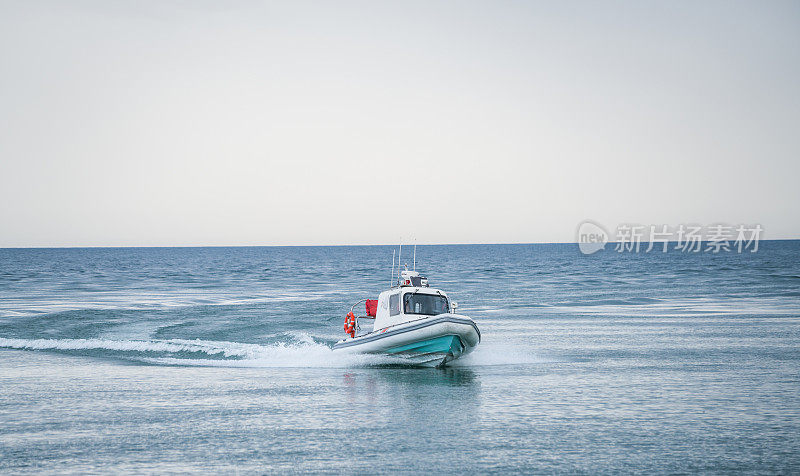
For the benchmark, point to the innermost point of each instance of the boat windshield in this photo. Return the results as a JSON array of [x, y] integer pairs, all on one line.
[[428, 304]]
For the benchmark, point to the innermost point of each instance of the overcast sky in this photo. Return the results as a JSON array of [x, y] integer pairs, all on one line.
[[127, 123]]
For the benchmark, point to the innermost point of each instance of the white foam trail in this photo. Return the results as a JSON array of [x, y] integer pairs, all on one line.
[[174, 345], [304, 353]]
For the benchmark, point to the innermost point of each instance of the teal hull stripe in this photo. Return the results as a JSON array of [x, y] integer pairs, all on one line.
[[389, 331], [445, 344]]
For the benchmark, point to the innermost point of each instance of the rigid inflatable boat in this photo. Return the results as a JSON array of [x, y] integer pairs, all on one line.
[[413, 321]]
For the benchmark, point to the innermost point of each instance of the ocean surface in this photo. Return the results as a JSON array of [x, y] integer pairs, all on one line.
[[218, 360]]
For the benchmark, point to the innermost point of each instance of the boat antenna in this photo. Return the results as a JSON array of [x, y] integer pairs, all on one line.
[[391, 281], [399, 254], [415, 255]]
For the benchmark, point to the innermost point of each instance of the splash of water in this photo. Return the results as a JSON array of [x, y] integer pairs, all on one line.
[[302, 351]]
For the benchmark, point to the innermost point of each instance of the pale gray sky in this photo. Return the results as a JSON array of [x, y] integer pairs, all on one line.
[[257, 123]]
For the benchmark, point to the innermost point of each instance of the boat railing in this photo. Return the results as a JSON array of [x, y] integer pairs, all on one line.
[[352, 309]]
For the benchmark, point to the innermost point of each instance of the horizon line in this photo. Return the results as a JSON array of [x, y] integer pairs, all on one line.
[[330, 245]]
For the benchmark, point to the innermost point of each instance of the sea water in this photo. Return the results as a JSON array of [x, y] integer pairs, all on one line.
[[219, 360]]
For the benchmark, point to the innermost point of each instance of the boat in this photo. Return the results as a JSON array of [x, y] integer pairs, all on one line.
[[411, 321]]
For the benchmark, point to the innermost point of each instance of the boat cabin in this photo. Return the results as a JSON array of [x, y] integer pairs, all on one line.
[[411, 300]]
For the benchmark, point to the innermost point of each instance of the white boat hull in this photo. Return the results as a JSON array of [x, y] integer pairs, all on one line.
[[433, 340]]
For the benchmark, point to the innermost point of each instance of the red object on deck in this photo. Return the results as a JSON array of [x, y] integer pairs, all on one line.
[[372, 307]]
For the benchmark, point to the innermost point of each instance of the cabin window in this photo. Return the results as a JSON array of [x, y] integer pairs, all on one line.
[[428, 304], [394, 304]]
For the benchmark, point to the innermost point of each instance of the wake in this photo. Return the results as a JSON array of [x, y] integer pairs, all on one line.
[[303, 352]]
